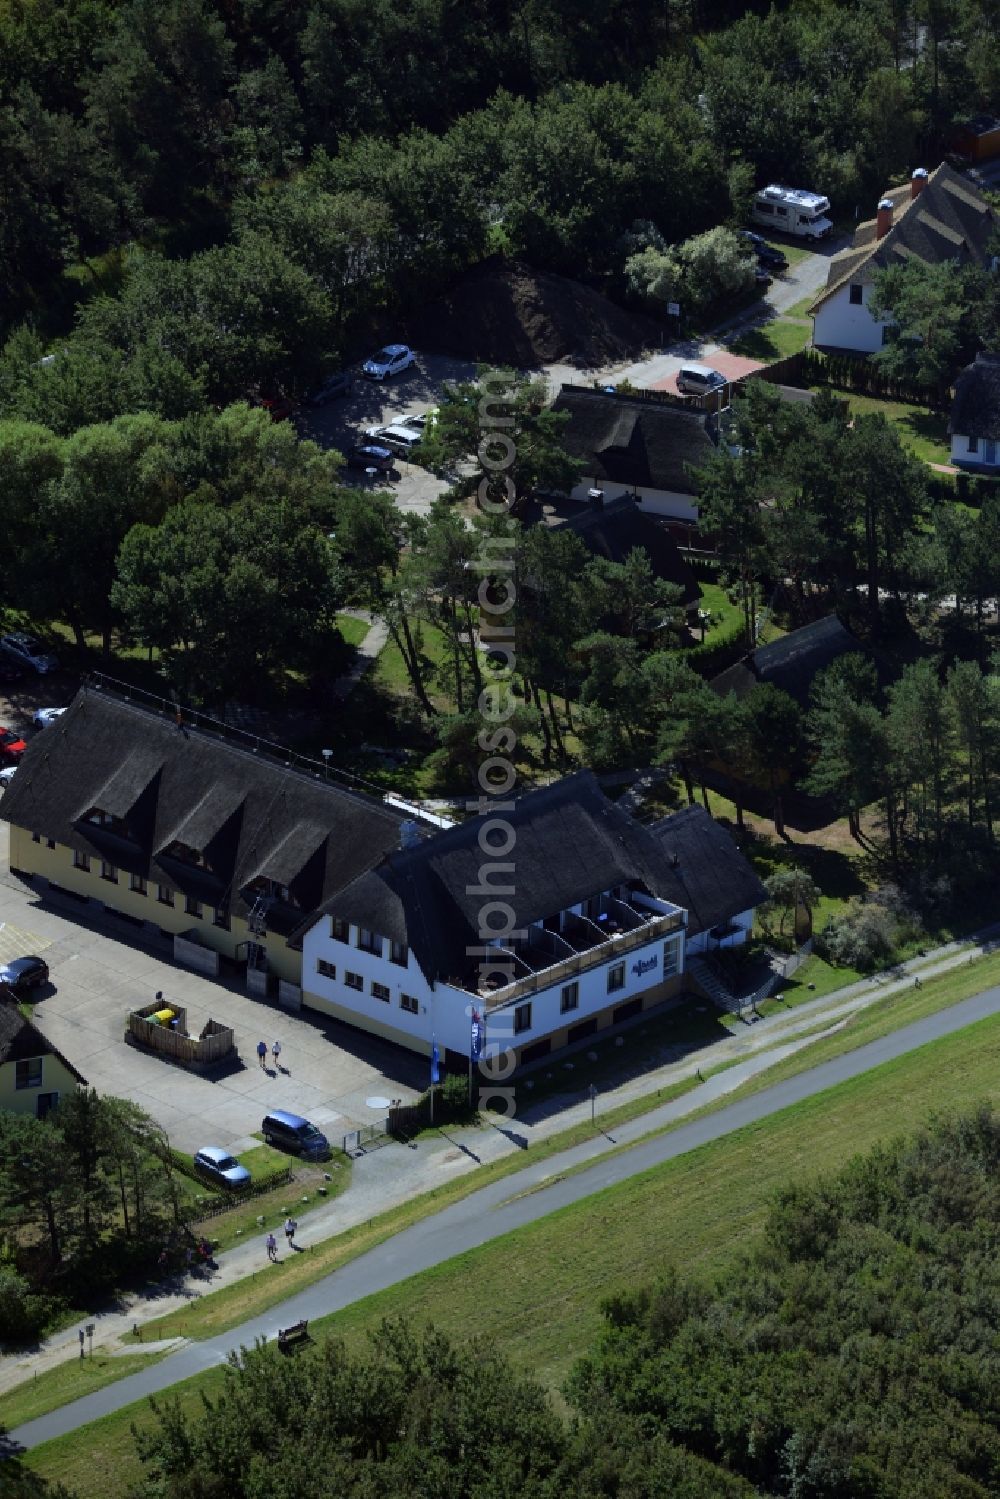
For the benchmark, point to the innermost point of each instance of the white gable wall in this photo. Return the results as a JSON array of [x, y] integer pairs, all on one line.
[[842, 324], [987, 454]]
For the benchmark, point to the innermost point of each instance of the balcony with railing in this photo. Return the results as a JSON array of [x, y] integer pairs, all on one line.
[[546, 956]]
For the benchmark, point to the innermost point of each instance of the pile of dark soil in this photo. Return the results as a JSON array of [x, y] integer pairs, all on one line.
[[505, 313]]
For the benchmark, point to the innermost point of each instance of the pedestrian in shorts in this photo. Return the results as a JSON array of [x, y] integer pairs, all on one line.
[[272, 1249], [290, 1227]]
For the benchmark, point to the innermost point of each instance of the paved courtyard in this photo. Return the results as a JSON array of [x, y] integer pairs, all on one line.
[[328, 1071]]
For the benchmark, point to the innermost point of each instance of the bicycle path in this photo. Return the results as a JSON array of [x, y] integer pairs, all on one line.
[[502, 1207]]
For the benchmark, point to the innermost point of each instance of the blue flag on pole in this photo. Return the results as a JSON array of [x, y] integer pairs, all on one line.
[[477, 1036], [435, 1063]]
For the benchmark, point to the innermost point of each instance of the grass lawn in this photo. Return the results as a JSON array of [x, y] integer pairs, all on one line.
[[772, 341], [353, 630], [725, 614], [698, 1212], [390, 673], [923, 432], [801, 308], [68, 1381]]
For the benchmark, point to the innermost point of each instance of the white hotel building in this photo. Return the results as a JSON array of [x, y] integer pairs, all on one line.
[[602, 913]]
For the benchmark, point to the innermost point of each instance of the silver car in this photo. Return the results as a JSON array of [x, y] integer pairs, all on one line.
[[222, 1168]]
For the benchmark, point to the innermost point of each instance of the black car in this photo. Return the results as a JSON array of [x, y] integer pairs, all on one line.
[[371, 455], [24, 973], [772, 259], [768, 256], [339, 384]]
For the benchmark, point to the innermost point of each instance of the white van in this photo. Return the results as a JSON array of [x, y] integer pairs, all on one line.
[[697, 379], [792, 210]]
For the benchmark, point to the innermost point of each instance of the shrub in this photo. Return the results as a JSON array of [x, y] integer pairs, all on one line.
[[868, 934], [22, 1314]]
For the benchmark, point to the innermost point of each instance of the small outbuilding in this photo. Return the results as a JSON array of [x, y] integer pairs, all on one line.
[[974, 427]]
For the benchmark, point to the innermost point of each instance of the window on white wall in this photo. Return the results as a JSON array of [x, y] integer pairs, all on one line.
[[109, 872], [354, 981], [137, 884], [81, 861], [408, 1003], [381, 991], [369, 941], [570, 997], [340, 931], [522, 1019], [326, 970], [399, 953], [973, 444], [857, 295], [671, 957], [616, 977]]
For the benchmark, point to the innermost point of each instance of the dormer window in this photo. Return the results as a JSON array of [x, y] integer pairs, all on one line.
[[184, 854], [97, 818], [271, 890]]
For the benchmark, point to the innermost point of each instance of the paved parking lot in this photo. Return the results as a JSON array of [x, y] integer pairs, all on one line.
[[328, 1071], [373, 403]]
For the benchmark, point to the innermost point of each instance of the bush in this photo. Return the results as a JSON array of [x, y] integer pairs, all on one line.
[[22, 1314], [868, 934]]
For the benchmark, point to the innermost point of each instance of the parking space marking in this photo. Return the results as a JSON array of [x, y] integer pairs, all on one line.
[[16, 942]]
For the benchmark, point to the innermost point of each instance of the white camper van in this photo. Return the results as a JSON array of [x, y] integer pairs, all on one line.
[[791, 210]]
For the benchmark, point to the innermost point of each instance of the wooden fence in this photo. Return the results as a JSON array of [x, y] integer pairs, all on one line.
[[200, 1212], [215, 1043]]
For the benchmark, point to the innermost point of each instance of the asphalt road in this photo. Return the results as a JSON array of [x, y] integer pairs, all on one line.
[[496, 1210]]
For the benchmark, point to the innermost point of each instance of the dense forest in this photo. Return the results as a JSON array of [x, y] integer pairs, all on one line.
[[316, 166], [851, 1355], [203, 202]]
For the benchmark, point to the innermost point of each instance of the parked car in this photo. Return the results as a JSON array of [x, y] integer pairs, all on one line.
[[769, 256], [339, 384], [28, 650], [278, 408], [292, 1132], [6, 776], [222, 1168], [371, 455], [391, 360], [42, 717], [24, 973], [12, 746], [697, 379], [399, 437]]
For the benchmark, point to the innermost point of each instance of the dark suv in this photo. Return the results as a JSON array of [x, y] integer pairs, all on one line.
[[292, 1132]]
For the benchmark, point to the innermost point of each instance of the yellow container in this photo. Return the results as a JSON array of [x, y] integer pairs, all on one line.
[[163, 1017]]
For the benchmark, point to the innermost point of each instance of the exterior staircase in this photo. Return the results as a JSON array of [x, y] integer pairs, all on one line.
[[712, 986]]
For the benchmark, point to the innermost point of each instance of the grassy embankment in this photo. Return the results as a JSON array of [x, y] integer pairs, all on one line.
[[697, 1211]]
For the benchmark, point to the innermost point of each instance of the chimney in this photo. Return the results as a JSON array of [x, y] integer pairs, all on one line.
[[883, 218], [918, 182]]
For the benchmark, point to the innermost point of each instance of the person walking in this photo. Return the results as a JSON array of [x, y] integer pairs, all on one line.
[[276, 1053], [290, 1227], [272, 1249], [262, 1052]]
